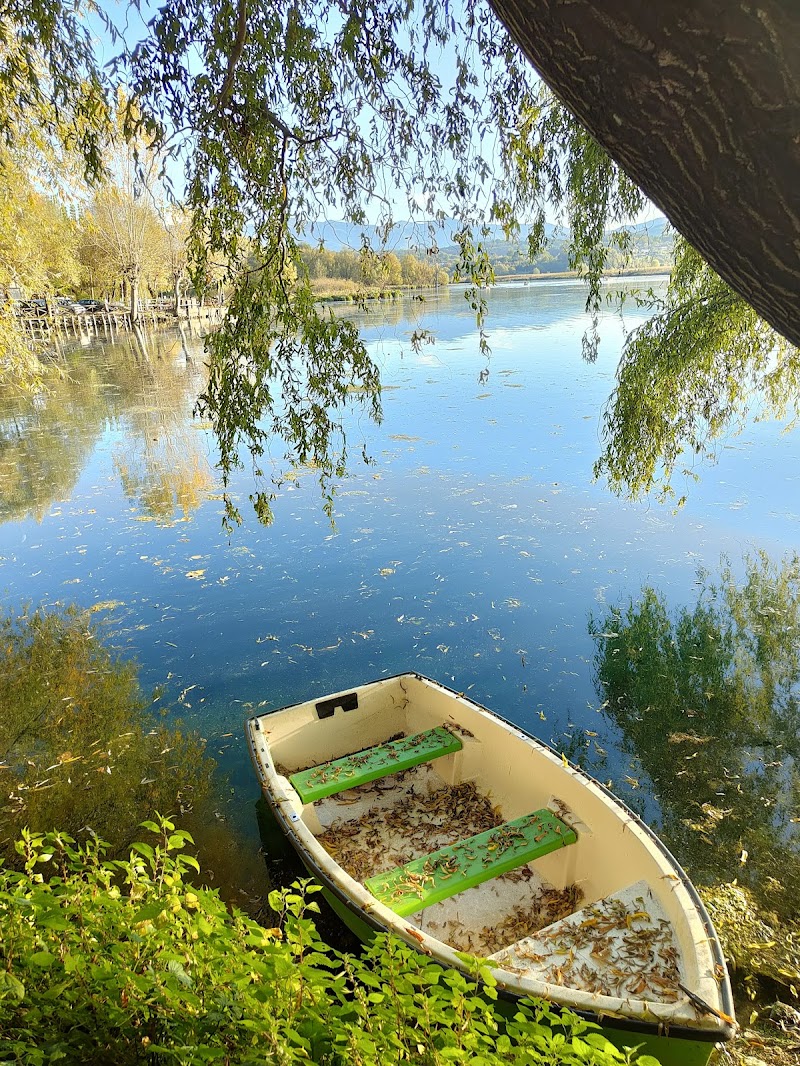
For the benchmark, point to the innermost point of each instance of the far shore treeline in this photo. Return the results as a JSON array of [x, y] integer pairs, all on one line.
[[128, 242]]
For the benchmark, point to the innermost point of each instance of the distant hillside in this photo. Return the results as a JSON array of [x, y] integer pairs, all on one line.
[[405, 236], [651, 245]]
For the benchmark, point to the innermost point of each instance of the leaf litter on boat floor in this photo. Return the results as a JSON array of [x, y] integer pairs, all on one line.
[[375, 827]]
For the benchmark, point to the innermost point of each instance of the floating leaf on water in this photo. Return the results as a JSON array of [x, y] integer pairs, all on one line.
[[106, 605], [196, 575]]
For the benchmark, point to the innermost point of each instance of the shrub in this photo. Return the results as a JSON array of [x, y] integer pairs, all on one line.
[[112, 961]]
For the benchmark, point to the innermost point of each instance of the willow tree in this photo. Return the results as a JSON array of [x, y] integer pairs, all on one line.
[[309, 111], [696, 371], [282, 114], [700, 104]]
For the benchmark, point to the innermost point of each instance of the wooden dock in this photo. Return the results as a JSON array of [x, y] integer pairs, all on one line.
[[105, 325]]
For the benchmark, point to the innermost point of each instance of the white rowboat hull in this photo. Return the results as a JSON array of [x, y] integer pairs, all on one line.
[[643, 957]]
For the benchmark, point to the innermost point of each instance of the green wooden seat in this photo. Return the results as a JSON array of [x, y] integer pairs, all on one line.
[[432, 878], [331, 777]]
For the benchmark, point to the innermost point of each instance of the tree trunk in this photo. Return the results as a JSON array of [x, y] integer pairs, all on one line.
[[176, 288], [134, 288], [699, 102]]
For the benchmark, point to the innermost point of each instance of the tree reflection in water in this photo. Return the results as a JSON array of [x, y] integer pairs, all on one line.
[[707, 698], [145, 386]]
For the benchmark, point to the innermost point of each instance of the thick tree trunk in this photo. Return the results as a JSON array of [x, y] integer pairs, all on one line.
[[699, 102]]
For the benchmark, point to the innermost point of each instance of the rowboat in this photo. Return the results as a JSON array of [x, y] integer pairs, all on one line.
[[426, 815]]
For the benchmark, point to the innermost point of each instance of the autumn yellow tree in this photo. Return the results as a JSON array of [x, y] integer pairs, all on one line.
[[38, 256]]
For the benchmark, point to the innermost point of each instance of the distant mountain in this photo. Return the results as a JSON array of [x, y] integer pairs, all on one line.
[[405, 236], [655, 227], [651, 245]]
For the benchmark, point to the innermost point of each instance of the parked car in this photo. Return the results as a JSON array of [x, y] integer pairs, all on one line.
[[65, 306], [99, 306]]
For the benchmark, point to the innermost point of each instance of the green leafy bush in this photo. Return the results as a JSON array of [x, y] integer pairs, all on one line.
[[111, 961]]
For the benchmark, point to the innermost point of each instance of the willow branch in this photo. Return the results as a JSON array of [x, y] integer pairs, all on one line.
[[236, 54]]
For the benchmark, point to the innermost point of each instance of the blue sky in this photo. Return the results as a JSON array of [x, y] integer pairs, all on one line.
[[131, 21]]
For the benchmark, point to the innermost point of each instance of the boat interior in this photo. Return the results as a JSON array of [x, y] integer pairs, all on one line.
[[485, 840]]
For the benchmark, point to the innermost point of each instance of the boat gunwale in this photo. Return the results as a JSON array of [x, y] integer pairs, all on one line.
[[720, 1031]]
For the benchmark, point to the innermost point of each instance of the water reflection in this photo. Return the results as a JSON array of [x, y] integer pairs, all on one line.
[[143, 386], [45, 441], [471, 550], [512, 307], [707, 698]]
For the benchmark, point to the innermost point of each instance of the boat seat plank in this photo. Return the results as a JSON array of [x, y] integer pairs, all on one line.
[[384, 759], [457, 867]]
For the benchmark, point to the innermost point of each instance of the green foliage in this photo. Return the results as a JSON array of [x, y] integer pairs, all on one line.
[[311, 111], [123, 962], [78, 747], [52, 81], [554, 160], [37, 253], [690, 374], [280, 117], [707, 698]]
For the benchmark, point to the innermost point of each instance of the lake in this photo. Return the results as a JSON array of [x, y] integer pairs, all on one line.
[[476, 549]]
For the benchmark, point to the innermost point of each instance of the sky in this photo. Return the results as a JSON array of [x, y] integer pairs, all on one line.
[[131, 22]]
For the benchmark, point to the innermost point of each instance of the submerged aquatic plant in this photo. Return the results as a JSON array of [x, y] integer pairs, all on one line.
[[79, 744]]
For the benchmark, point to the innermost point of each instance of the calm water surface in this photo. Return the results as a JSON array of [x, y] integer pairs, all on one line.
[[475, 549]]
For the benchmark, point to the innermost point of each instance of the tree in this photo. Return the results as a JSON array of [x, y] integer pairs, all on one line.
[[700, 105], [176, 227], [281, 115], [125, 232], [38, 254], [690, 374]]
